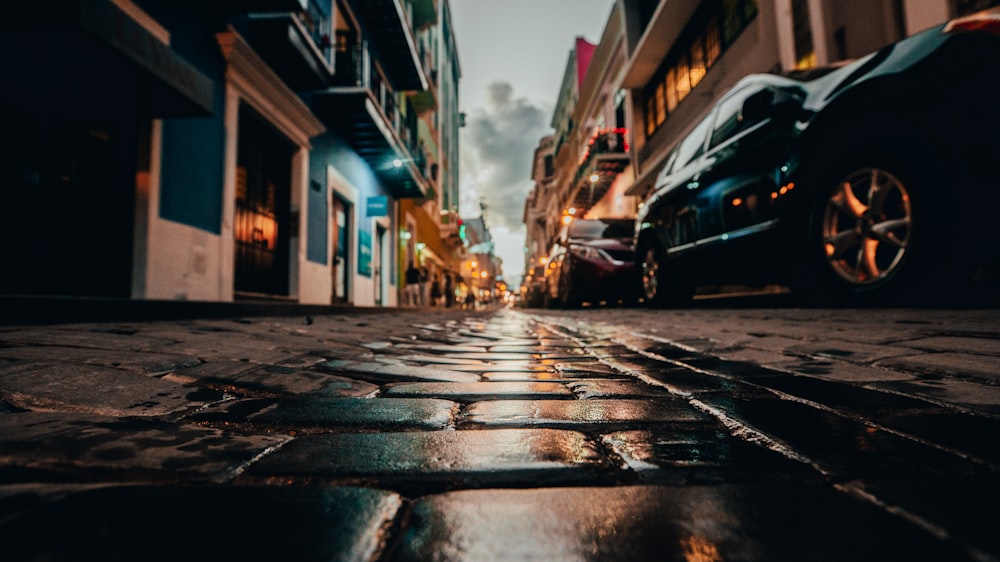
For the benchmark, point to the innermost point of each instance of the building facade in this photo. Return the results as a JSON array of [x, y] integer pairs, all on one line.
[[180, 150], [429, 235]]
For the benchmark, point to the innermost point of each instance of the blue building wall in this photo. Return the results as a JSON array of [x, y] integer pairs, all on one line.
[[193, 158], [331, 150]]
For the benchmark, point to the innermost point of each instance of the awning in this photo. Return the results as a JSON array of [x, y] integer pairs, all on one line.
[[89, 56]]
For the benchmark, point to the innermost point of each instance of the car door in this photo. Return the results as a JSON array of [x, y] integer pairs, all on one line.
[[737, 175], [674, 213]]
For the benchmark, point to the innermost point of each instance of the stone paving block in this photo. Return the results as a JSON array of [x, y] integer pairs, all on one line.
[[94, 336], [851, 352], [506, 366], [773, 522], [970, 395], [199, 523], [518, 349], [579, 413], [589, 389], [500, 457], [843, 448], [974, 345], [594, 368], [974, 436], [75, 444], [303, 361], [949, 363], [839, 370], [953, 504], [217, 369], [481, 390], [396, 372], [444, 349], [480, 356], [709, 455], [290, 380], [374, 413], [89, 388], [446, 360], [525, 376], [135, 362]]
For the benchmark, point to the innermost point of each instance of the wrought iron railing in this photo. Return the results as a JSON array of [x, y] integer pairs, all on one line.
[[603, 142]]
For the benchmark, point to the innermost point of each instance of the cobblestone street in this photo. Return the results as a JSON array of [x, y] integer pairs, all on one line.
[[615, 434]]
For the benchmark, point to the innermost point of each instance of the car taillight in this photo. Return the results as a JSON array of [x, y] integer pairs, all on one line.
[[987, 21]]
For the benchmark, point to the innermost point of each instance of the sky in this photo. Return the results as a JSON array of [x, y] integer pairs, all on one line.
[[512, 55]]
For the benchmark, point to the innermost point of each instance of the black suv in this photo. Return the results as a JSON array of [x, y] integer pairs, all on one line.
[[877, 180]]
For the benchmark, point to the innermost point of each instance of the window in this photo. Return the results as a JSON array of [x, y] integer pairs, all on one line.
[[729, 120], [650, 116], [712, 29], [683, 78], [661, 105], [698, 67], [713, 45], [620, 109], [671, 90]]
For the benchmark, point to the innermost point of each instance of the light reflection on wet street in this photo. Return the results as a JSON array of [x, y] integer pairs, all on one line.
[[508, 435]]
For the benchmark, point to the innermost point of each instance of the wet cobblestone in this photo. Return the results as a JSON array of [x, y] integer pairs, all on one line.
[[486, 435]]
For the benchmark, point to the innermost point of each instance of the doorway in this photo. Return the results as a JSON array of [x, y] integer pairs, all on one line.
[[67, 204], [263, 199], [340, 221]]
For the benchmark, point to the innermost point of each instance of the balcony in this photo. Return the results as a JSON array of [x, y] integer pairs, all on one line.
[[90, 57], [296, 45], [213, 10], [361, 107], [391, 25], [606, 157]]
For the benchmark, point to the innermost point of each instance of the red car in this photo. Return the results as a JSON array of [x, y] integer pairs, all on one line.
[[593, 261]]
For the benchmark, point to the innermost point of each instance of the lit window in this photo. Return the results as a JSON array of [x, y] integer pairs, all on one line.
[[683, 79], [671, 90], [661, 105], [697, 62]]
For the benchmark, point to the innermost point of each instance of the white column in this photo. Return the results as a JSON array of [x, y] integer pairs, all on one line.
[[784, 26], [821, 36]]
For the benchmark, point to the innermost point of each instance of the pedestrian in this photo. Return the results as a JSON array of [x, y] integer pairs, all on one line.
[[470, 300], [436, 292], [424, 278], [412, 288], [449, 290]]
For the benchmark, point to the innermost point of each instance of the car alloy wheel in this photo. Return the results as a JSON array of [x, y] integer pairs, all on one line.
[[866, 227]]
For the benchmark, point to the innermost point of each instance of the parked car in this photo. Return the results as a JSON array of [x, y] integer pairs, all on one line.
[[879, 179], [592, 260], [532, 288]]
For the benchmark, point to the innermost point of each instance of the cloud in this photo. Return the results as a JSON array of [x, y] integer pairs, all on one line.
[[497, 147]]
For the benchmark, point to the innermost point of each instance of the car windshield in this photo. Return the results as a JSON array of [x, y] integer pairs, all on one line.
[[592, 229]]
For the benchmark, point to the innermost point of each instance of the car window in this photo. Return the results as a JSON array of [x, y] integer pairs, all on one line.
[[693, 145], [603, 228], [671, 158], [729, 119]]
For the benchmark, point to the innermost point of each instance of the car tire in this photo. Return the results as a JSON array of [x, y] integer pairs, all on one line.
[[660, 287], [567, 296], [874, 230], [547, 301]]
